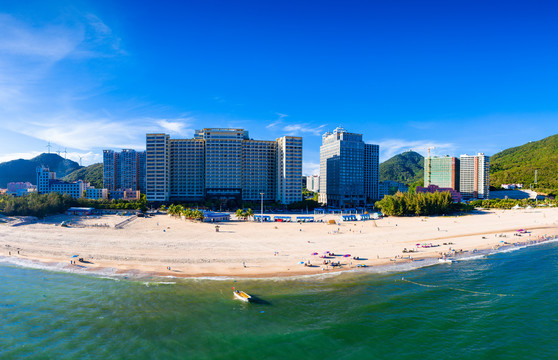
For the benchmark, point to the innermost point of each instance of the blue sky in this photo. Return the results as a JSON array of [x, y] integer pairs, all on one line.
[[462, 76]]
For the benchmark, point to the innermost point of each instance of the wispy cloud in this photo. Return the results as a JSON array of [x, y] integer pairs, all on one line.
[[295, 128], [84, 132], [50, 42], [176, 126], [278, 121], [299, 129], [392, 147], [27, 96]]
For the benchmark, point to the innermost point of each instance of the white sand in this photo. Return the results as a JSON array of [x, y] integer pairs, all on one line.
[[193, 249]]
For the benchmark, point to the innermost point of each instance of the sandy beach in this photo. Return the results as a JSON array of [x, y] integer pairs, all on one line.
[[164, 245]]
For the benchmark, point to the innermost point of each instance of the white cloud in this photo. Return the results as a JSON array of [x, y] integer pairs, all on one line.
[[22, 155], [80, 131], [83, 131], [310, 168], [176, 126], [392, 147], [84, 158]]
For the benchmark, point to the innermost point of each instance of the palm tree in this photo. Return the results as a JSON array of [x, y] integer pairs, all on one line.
[[249, 213], [179, 210], [197, 215], [240, 214]]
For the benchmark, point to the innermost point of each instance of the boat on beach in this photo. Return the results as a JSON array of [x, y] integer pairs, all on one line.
[[241, 295]]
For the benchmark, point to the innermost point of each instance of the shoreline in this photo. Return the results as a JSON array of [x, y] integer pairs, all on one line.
[[139, 275], [148, 247]]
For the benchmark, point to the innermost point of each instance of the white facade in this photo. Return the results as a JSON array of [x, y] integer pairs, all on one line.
[[47, 183], [223, 164], [157, 167], [289, 163], [474, 176], [313, 183]]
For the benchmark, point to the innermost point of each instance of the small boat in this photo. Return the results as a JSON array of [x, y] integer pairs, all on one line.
[[447, 261], [241, 295]]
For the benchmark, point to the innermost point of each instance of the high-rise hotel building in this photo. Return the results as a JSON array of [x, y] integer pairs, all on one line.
[[223, 164], [474, 181], [349, 170], [443, 172], [124, 170], [468, 174]]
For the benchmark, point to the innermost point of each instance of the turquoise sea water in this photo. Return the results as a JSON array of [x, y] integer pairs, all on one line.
[[502, 306]]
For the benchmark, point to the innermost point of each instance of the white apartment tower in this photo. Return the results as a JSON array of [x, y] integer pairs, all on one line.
[[474, 176], [222, 163], [349, 169], [289, 162]]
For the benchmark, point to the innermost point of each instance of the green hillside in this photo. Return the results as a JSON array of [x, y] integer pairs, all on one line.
[[92, 173], [25, 170], [518, 164], [407, 167]]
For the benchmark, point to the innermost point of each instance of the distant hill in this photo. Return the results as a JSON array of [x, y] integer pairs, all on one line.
[[25, 170], [407, 167], [518, 164], [92, 173]]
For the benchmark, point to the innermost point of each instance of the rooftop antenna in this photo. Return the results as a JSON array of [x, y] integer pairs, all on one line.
[[48, 147]]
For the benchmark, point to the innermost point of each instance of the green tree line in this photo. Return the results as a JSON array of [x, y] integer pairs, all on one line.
[[41, 205], [438, 203], [510, 203]]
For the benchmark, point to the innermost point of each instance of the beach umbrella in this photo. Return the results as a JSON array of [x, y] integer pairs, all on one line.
[[314, 253]]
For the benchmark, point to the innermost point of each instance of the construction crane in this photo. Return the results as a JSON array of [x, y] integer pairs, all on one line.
[[428, 167]]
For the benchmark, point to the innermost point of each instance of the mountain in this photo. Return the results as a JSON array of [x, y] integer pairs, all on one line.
[[518, 164], [407, 167], [92, 173], [25, 170]]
